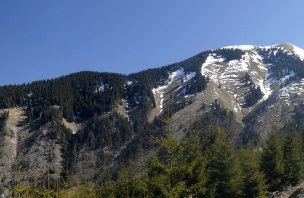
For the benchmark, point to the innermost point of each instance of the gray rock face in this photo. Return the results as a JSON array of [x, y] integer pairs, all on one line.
[[27, 155], [230, 81]]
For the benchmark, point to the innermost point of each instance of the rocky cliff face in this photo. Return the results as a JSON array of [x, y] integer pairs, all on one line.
[[260, 85]]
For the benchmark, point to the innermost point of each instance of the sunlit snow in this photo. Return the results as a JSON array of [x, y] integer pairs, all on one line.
[[299, 52], [265, 88], [241, 47], [176, 75], [228, 75]]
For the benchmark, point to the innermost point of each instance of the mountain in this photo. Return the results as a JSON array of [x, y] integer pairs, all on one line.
[[86, 124]]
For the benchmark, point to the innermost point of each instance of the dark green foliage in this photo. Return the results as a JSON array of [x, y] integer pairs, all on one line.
[[164, 170], [142, 141], [282, 63], [230, 54], [197, 84], [291, 160], [254, 183], [199, 167], [152, 77], [282, 160], [101, 131], [172, 108], [140, 102], [50, 114], [3, 117], [194, 63], [129, 186], [194, 168], [223, 172], [217, 116], [298, 124], [272, 161], [59, 131], [250, 136], [253, 96], [76, 94], [204, 164]]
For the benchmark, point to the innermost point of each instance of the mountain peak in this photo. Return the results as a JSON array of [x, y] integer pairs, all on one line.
[[299, 52], [286, 46], [241, 47]]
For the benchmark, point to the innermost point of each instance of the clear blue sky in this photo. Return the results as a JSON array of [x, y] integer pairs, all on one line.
[[42, 39]]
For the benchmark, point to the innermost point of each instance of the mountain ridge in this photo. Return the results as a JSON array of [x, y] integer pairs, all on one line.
[[95, 122]]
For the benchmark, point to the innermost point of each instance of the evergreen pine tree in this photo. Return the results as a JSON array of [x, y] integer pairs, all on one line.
[[254, 184], [222, 169], [291, 160], [272, 161], [193, 167], [164, 168]]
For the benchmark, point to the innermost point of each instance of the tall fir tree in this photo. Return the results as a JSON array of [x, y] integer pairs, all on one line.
[[272, 161], [164, 170], [291, 160], [254, 183], [223, 170], [193, 164]]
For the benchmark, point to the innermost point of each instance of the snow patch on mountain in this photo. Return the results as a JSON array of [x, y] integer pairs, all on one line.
[[220, 72], [102, 87], [211, 67], [290, 50], [129, 83], [229, 75], [274, 49], [286, 93], [237, 107], [265, 88], [189, 76], [161, 91], [299, 52], [286, 48], [176, 75], [241, 47], [179, 74], [287, 77], [272, 81]]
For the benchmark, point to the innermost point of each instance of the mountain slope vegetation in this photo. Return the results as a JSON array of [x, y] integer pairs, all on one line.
[[223, 109]]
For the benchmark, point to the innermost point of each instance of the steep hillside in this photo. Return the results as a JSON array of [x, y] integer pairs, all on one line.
[[79, 126]]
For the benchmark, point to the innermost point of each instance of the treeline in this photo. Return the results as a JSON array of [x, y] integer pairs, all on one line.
[[80, 94], [230, 54]]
